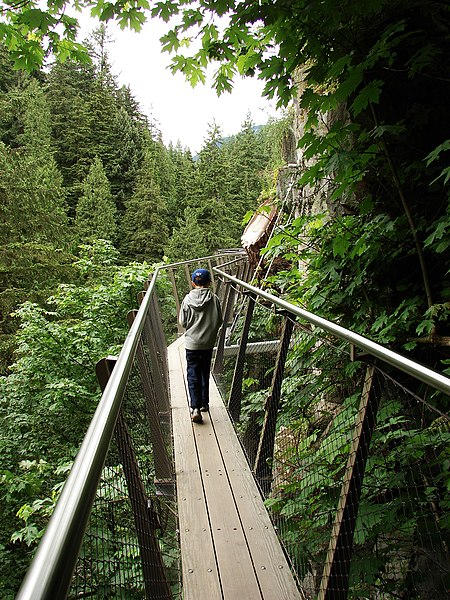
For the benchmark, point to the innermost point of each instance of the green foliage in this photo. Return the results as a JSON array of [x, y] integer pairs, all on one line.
[[405, 481], [49, 396], [92, 118], [144, 224], [96, 214], [346, 280], [226, 181], [34, 230], [30, 33]]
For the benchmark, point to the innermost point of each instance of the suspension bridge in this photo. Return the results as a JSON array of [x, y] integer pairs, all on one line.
[[281, 492]]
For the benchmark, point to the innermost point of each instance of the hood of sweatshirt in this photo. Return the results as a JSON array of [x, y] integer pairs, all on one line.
[[198, 297]]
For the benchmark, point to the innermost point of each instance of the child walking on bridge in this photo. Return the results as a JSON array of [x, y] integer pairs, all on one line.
[[201, 317]]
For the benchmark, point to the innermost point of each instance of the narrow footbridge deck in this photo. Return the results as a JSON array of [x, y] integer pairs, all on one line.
[[229, 547]]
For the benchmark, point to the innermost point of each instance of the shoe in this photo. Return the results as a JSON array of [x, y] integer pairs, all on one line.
[[205, 408], [196, 416]]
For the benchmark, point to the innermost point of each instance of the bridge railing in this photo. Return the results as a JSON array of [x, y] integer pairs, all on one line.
[[349, 442], [113, 533], [353, 459]]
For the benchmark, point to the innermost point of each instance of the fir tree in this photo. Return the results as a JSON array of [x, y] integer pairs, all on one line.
[[33, 223], [205, 225], [184, 173], [145, 231], [96, 213]]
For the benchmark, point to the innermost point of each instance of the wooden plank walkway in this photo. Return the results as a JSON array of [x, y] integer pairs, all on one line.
[[229, 549]]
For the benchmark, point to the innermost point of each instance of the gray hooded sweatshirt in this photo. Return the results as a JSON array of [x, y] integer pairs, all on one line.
[[201, 316]]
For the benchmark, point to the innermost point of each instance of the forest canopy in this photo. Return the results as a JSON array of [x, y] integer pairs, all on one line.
[[90, 199]]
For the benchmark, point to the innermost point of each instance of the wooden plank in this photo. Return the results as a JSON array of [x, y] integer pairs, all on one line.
[[271, 567], [233, 558], [197, 551], [250, 559]]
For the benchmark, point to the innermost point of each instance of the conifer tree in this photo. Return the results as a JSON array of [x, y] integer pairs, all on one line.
[[144, 227], [33, 223], [212, 166], [184, 173], [69, 87], [246, 162], [205, 225], [188, 238], [96, 212], [91, 118]]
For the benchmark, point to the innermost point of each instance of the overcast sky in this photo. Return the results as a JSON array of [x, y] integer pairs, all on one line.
[[183, 113]]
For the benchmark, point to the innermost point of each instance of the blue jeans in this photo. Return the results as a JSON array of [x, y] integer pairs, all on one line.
[[198, 369]]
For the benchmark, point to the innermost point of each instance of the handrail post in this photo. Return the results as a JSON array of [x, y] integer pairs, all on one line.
[[145, 518], [188, 276], [262, 469], [213, 279], [234, 404], [158, 332], [335, 578], [176, 296], [158, 371], [163, 468], [218, 360]]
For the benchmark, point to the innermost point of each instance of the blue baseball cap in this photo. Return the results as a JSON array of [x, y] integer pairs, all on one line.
[[201, 276]]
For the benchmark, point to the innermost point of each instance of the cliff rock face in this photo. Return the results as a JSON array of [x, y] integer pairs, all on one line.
[[306, 199]]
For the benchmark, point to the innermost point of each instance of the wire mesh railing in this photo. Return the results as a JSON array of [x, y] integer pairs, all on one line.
[[114, 533], [350, 453]]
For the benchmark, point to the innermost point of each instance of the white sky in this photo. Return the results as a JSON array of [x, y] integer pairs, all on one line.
[[182, 112]]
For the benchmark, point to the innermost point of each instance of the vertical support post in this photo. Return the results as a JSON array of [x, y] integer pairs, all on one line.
[[145, 519], [218, 360], [159, 335], [242, 268], [218, 286], [156, 340], [213, 279], [247, 271], [175, 295], [234, 404], [156, 367], [163, 468], [334, 583], [262, 468], [188, 276]]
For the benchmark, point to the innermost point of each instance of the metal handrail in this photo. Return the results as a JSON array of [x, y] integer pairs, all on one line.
[[203, 259], [50, 573], [420, 372]]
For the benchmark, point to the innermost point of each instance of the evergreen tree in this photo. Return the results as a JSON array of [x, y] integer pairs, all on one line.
[[246, 161], [33, 207], [184, 173], [128, 102], [188, 238], [144, 227], [96, 213], [9, 109], [70, 86], [205, 225], [212, 181], [33, 223], [91, 118]]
